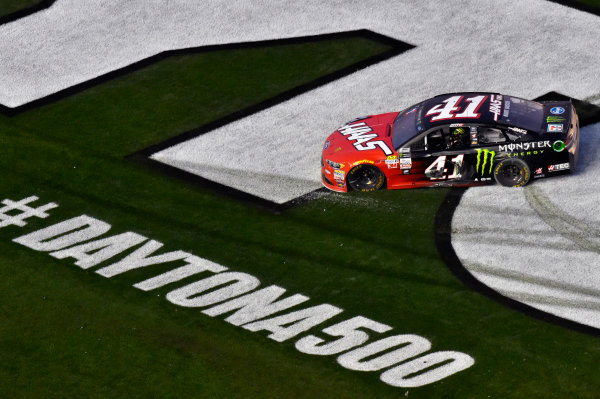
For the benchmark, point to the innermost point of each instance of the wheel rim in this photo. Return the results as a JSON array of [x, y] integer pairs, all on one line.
[[512, 173], [364, 179]]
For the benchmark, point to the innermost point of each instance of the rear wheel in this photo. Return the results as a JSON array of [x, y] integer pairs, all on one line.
[[512, 172], [366, 177]]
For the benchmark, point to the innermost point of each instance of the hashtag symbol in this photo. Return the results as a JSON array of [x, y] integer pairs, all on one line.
[[15, 213]]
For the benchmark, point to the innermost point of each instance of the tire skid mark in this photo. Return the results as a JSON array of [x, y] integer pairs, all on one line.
[[515, 242], [531, 279], [535, 249], [567, 226]]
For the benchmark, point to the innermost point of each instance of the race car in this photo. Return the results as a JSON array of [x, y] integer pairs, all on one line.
[[456, 139]]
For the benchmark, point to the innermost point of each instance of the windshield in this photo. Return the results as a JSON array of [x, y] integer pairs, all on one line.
[[405, 126], [523, 113]]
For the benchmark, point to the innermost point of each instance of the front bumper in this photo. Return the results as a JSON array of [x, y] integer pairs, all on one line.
[[328, 180]]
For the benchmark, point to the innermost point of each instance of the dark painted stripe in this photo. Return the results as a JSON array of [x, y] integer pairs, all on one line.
[[578, 6], [443, 238], [26, 11]]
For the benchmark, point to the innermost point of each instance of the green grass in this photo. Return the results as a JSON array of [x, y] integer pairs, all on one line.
[[593, 3], [68, 332], [10, 6], [201, 88]]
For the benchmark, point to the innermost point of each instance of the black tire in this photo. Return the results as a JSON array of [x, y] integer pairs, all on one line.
[[365, 177], [512, 172]]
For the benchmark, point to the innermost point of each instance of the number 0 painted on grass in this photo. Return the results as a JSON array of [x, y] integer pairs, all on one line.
[[427, 369]]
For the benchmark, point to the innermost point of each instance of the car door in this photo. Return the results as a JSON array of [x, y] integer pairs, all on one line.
[[441, 158]]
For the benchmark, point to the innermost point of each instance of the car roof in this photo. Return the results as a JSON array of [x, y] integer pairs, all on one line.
[[488, 109]]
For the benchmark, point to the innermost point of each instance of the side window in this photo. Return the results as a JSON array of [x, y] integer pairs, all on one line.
[[432, 141], [419, 145], [436, 141], [458, 137], [489, 135]]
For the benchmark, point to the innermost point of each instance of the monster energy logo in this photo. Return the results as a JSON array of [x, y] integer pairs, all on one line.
[[485, 160]]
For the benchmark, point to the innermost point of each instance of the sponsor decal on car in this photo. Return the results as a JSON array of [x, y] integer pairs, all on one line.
[[506, 109], [359, 133], [554, 119], [404, 152], [517, 130], [473, 130], [524, 146], [558, 167], [539, 172], [496, 106], [555, 127], [405, 163], [362, 161], [339, 174], [557, 110], [558, 145], [392, 162], [524, 153], [483, 157]]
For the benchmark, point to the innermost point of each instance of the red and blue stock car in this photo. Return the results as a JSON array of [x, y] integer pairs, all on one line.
[[460, 139]]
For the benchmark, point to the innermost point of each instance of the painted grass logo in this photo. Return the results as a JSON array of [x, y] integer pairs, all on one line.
[[404, 360]]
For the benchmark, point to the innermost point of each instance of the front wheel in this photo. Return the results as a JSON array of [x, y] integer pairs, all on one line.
[[366, 177], [512, 172]]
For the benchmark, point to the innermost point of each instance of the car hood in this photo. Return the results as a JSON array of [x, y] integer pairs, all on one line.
[[360, 138]]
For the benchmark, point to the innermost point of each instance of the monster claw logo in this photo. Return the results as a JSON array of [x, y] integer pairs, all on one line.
[[483, 164]]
